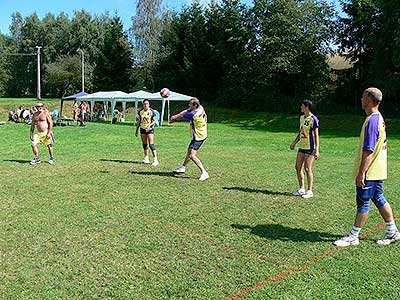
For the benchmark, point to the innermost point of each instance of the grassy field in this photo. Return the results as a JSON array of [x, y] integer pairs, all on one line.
[[100, 225]]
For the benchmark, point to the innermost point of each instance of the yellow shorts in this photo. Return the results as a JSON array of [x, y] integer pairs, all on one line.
[[41, 137]]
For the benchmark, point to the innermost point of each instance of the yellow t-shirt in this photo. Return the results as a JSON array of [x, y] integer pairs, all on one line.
[[146, 117], [373, 138], [198, 123], [308, 124]]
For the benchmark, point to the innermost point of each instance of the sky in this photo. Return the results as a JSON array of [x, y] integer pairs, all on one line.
[[125, 9]]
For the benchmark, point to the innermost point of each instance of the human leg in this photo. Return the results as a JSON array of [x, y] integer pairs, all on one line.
[[308, 162], [299, 172], [35, 151], [150, 138], [145, 148]]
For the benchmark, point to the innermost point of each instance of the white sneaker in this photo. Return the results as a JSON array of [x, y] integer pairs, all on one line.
[[307, 194], [181, 169], [389, 237], [347, 240], [204, 176], [52, 161], [35, 161], [146, 160], [155, 163], [299, 192]]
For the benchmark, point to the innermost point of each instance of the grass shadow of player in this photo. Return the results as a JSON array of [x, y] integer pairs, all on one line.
[[162, 174], [284, 233], [250, 190], [121, 161], [20, 161]]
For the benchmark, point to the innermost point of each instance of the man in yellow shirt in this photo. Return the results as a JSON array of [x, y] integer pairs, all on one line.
[[198, 127], [370, 169]]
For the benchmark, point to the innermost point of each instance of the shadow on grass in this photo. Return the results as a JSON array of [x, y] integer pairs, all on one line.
[[162, 174], [20, 161], [121, 161], [249, 190], [284, 233]]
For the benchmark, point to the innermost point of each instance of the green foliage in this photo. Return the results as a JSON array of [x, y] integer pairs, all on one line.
[[112, 71], [100, 225], [370, 34], [64, 75], [265, 56]]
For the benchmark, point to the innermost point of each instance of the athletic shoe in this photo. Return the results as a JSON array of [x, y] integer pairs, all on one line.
[[181, 169], [35, 161], [52, 161], [307, 194], [204, 176], [389, 237], [155, 163], [146, 160], [299, 192], [347, 240]]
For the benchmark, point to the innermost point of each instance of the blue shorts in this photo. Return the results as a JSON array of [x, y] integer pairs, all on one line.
[[195, 145], [373, 190]]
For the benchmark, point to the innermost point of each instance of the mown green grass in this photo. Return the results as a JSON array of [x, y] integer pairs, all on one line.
[[100, 225]]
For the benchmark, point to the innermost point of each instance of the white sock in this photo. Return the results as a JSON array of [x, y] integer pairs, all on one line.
[[391, 226], [355, 231]]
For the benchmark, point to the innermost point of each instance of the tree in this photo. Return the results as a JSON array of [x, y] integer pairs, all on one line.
[[146, 30], [113, 69], [63, 76]]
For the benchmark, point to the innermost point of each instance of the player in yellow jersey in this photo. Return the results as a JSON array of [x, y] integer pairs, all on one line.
[[146, 119], [370, 169], [198, 127], [308, 139]]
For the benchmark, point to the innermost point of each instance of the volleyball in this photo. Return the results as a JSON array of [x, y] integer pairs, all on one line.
[[164, 93]]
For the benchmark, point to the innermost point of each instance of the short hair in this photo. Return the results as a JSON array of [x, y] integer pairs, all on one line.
[[146, 100], [374, 94], [195, 101]]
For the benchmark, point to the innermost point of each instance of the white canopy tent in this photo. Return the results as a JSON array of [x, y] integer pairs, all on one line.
[[118, 96], [135, 97], [105, 97]]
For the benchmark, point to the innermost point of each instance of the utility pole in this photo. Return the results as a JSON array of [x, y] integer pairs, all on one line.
[[83, 68], [38, 72]]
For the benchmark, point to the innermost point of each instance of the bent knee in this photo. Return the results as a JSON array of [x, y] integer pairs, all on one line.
[[308, 169]]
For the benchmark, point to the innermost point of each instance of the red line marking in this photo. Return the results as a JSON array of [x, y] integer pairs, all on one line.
[[300, 267]]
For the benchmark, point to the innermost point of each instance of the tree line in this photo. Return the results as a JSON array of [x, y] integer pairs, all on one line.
[[266, 55]]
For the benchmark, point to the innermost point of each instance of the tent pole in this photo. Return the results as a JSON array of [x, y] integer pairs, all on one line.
[[169, 110], [162, 111], [112, 109], [91, 109], [135, 112]]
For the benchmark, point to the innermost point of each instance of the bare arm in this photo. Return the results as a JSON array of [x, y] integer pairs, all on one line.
[[178, 116], [365, 163], [296, 140], [50, 124], [138, 121], [316, 139], [32, 128]]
